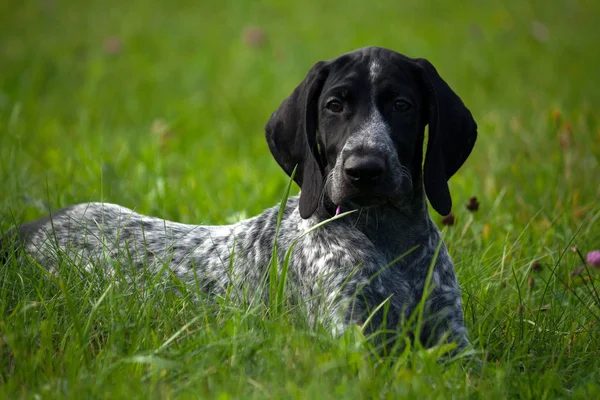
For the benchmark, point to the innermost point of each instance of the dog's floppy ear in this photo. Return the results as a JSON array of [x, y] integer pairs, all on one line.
[[452, 135], [292, 137]]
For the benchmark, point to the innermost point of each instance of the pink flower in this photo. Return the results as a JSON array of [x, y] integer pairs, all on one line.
[[593, 258], [338, 210]]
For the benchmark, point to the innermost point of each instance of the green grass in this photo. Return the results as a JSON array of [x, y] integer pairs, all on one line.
[[171, 124]]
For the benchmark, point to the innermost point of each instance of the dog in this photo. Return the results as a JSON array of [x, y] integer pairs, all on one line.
[[352, 136]]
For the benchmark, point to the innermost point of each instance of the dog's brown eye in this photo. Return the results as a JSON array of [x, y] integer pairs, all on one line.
[[402, 105], [334, 106]]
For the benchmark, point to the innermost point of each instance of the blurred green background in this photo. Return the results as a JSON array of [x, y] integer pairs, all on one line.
[[161, 105]]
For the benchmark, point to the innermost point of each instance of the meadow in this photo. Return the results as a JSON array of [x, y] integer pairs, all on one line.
[[160, 106]]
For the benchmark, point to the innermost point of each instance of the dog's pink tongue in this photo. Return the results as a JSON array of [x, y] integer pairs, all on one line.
[[338, 210]]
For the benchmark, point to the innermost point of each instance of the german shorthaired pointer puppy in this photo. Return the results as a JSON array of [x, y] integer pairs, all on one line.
[[354, 131]]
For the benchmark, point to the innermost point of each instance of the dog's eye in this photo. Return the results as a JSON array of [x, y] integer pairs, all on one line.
[[334, 106], [402, 105]]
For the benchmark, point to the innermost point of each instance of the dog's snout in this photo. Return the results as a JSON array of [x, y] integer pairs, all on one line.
[[364, 169]]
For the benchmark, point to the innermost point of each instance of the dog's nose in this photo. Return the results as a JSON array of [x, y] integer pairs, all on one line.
[[364, 169]]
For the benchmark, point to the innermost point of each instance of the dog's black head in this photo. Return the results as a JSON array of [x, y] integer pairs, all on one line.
[[355, 128]]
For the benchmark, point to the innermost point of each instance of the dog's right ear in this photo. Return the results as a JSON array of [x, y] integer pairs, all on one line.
[[292, 137], [452, 135]]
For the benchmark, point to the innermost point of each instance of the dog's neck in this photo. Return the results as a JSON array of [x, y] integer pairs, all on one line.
[[393, 227]]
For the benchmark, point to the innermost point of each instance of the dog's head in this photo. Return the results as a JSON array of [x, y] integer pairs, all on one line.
[[355, 129]]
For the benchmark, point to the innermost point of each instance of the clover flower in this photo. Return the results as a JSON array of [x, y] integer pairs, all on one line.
[[593, 258]]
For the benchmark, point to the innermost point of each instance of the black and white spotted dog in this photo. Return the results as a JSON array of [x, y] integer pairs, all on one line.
[[354, 131]]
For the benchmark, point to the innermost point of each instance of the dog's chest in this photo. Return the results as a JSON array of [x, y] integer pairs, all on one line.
[[340, 259]]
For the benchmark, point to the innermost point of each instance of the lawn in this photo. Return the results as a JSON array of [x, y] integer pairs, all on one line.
[[160, 106]]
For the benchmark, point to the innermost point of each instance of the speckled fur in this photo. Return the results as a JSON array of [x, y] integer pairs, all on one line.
[[341, 272]]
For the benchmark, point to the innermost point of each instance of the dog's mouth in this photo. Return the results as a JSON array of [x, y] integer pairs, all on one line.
[[344, 195], [361, 201]]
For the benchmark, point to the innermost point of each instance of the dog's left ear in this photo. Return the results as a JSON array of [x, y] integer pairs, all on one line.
[[452, 135], [292, 137]]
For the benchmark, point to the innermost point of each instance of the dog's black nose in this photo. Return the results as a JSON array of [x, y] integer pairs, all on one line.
[[364, 169]]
